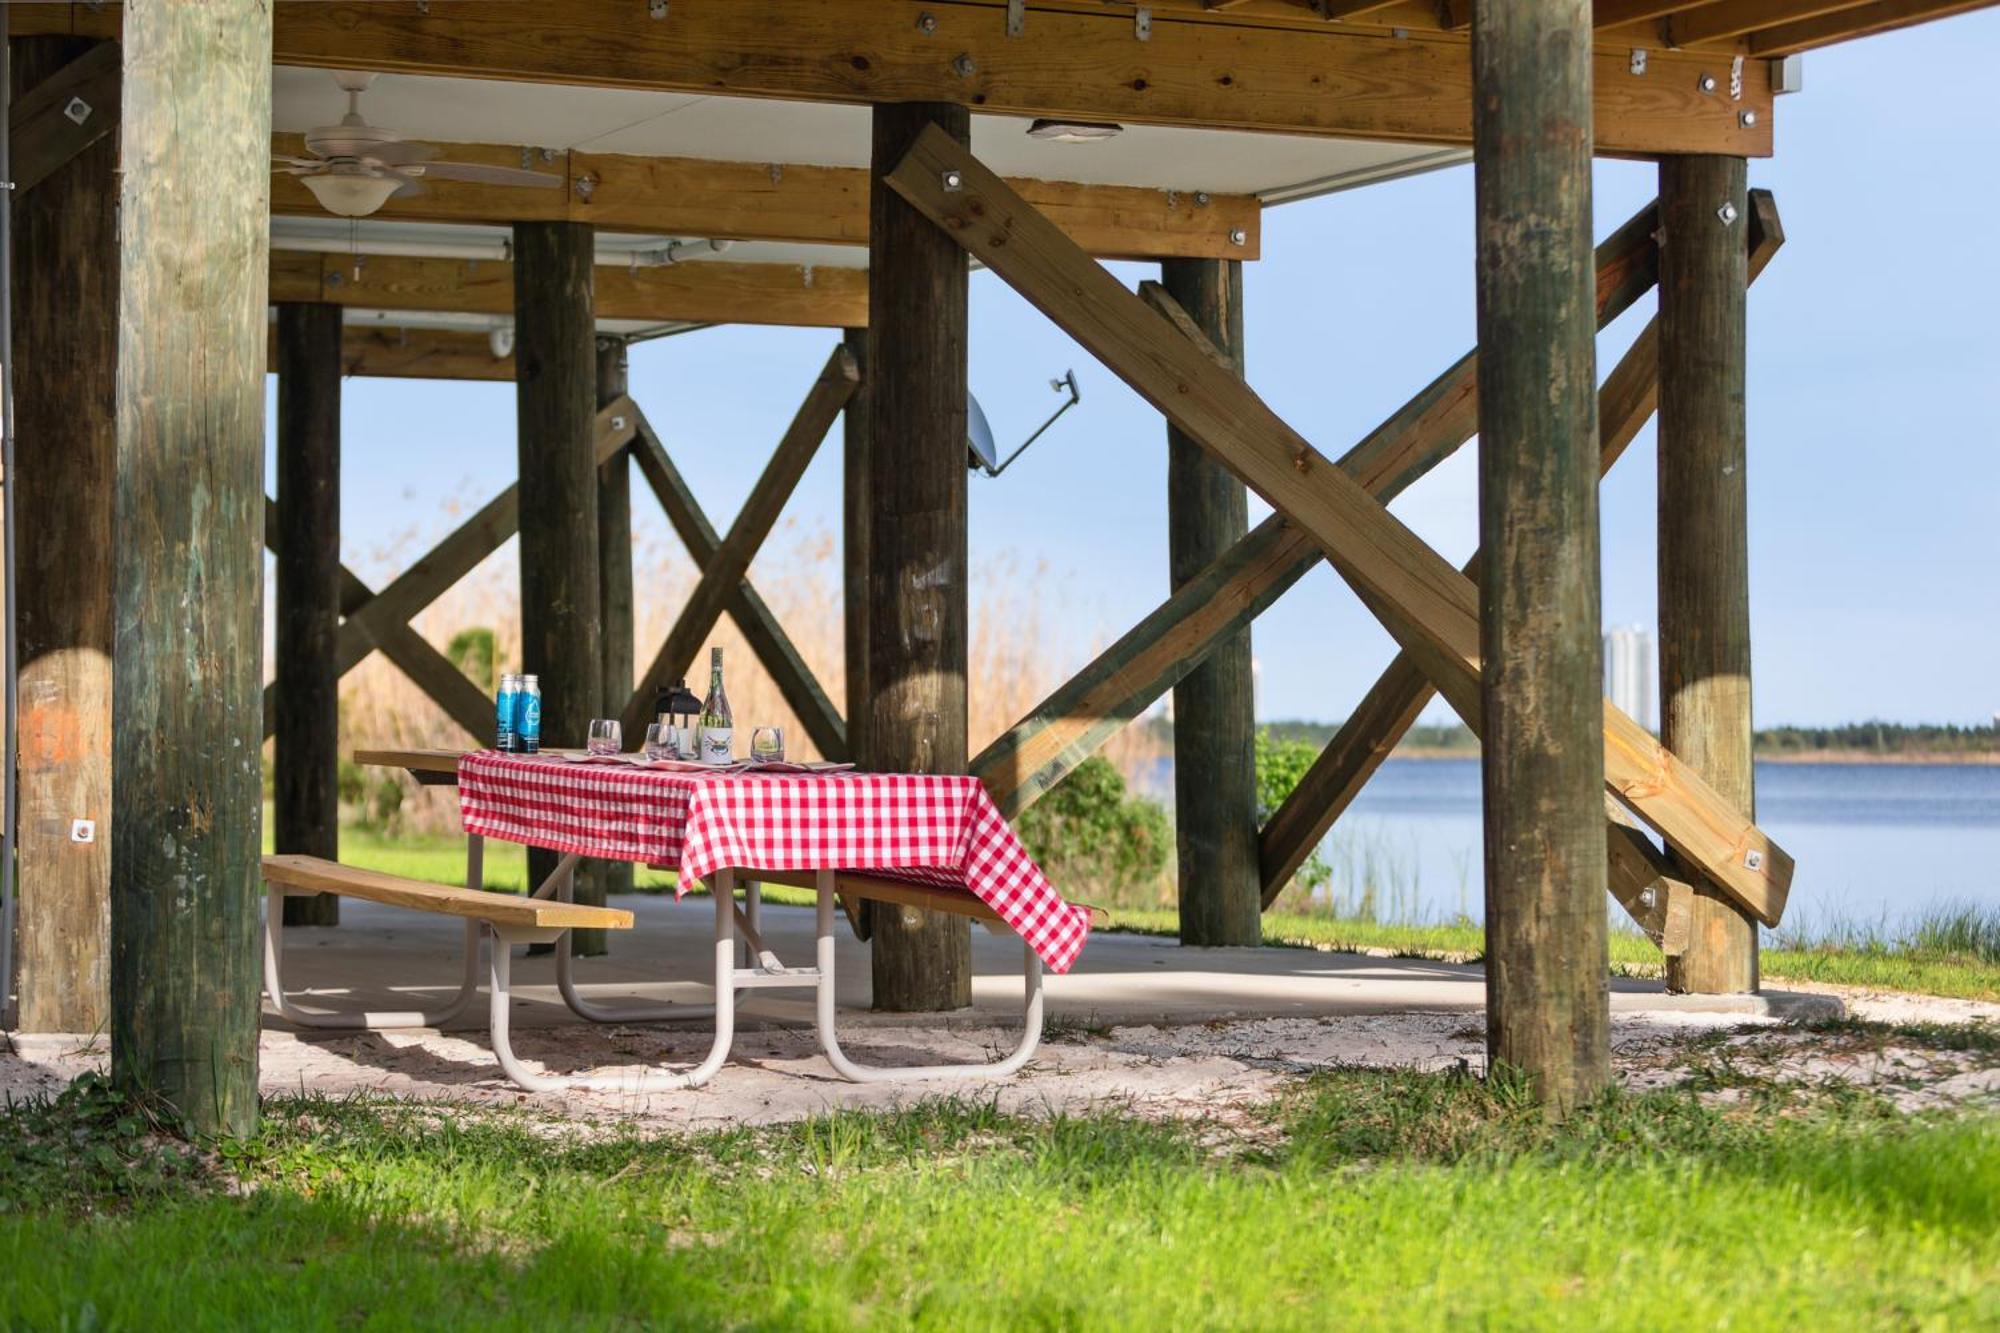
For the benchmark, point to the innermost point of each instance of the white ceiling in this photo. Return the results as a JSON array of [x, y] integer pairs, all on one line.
[[739, 129]]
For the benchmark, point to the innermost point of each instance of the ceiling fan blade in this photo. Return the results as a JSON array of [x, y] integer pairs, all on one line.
[[410, 186], [399, 154], [296, 163], [480, 174]]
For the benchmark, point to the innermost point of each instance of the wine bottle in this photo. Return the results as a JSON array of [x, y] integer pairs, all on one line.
[[716, 730]]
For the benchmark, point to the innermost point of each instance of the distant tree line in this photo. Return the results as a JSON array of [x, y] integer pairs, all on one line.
[[1881, 738]]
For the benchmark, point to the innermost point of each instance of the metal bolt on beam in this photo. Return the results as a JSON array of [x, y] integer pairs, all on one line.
[[1238, 236], [1707, 83], [1727, 213], [927, 23], [962, 66], [78, 110], [1638, 61], [953, 181]]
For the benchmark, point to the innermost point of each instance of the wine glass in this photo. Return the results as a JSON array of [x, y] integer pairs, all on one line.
[[663, 741], [605, 737], [767, 745]]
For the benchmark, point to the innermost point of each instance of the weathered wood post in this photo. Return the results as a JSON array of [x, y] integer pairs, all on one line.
[[1548, 1007], [1215, 727], [187, 716], [305, 785], [916, 661], [65, 426], [855, 479], [555, 374], [614, 584], [1704, 527]]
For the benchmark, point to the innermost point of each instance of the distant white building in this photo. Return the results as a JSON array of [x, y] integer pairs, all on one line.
[[1630, 671]]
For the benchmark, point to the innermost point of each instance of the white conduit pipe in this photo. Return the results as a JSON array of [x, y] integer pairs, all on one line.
[[499, 252]]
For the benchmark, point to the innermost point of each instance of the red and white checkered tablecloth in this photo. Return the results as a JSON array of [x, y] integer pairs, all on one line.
[[941, 831]]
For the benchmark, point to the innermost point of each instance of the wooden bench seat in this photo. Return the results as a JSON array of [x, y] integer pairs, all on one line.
[[952, 902], [313, 874]]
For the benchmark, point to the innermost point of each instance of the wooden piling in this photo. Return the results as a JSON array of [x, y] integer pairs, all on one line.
[[854, 544], [614, 585], [306, 758], [65, 425], [1215, 772], [555, 360], [916, 661], [1704, 543], [1548, 1008], [188, 559]]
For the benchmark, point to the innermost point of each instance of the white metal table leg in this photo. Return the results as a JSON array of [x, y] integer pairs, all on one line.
[[829, 1039], [274, 984], [564, 886], [634, 1080]]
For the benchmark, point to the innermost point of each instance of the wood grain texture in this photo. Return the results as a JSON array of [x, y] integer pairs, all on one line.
[[427, 354], [1421, 596], [61, 111], [854, 539], [66, 341], [760, 628], [1078, 63], [1548, 1006], [192, 230], [1215, 774], [707, 291], [1704, 548], [312, 874], [555, 356], [917, 640], [306, 761], [1733, 18], [614, 582], [1848, 24], [724, 570]]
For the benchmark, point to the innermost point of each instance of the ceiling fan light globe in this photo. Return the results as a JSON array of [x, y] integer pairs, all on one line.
[[352, 196]]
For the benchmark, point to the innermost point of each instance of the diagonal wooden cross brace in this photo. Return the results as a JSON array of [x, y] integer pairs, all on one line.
[[723, 570], [1391, 706], [64, 114], [1071, 724], [795, 679], [1429, 599]]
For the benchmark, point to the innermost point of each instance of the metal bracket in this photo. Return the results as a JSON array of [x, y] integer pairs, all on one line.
[[656, 9], [77, 111], [586, 185], [1017, 17], [1638, 62], [1736, 79], [1142, 24]]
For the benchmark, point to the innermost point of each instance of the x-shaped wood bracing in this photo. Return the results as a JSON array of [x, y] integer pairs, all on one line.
[[373, 620], [1432, 607]]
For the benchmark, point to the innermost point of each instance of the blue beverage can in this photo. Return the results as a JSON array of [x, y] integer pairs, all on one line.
[[503, 713], [527, 715]]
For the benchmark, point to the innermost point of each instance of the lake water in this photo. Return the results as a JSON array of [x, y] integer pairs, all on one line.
[[1872, 841]]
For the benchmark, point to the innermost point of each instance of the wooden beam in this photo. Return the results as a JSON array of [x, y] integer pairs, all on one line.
[[753, 616], [1548, 1012], [917, 642], [1073, 723], [66, 338], [723, 572], [1615, 13], [555, 358], [426, 354], [1733, 18], [1704, 556], [1196, 68], [1215, 725], [1369, 547], [791, 202], [614, 582], [189, 573], [62, 114], [1393, 703], [1864, 21], [306, 763], [707, 291]]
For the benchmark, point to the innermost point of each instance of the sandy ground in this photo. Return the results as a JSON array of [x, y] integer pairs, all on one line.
[[1179, 1070]]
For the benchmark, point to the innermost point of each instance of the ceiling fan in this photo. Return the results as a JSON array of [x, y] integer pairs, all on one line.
[[355, 167]]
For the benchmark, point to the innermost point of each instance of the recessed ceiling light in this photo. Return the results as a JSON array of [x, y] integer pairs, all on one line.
[[1072, 131]]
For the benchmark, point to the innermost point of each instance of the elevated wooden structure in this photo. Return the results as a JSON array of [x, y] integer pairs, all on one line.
[[840, 166]]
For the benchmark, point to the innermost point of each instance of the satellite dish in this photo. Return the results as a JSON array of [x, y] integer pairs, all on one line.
[[979, 437], [983, 453]]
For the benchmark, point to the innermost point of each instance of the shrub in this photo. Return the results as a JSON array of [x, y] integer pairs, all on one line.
[[1094, 838], [1281, 766], [474, 651]]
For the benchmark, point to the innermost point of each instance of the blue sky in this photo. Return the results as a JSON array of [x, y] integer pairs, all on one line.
[[1874, 463]]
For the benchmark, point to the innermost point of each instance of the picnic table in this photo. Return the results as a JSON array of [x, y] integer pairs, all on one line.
[[934, 842]]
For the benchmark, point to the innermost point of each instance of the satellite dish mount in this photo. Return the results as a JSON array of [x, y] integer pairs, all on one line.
[[983, 454]]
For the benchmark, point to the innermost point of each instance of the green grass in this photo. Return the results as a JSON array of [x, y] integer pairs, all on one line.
[[1377, 1199]]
